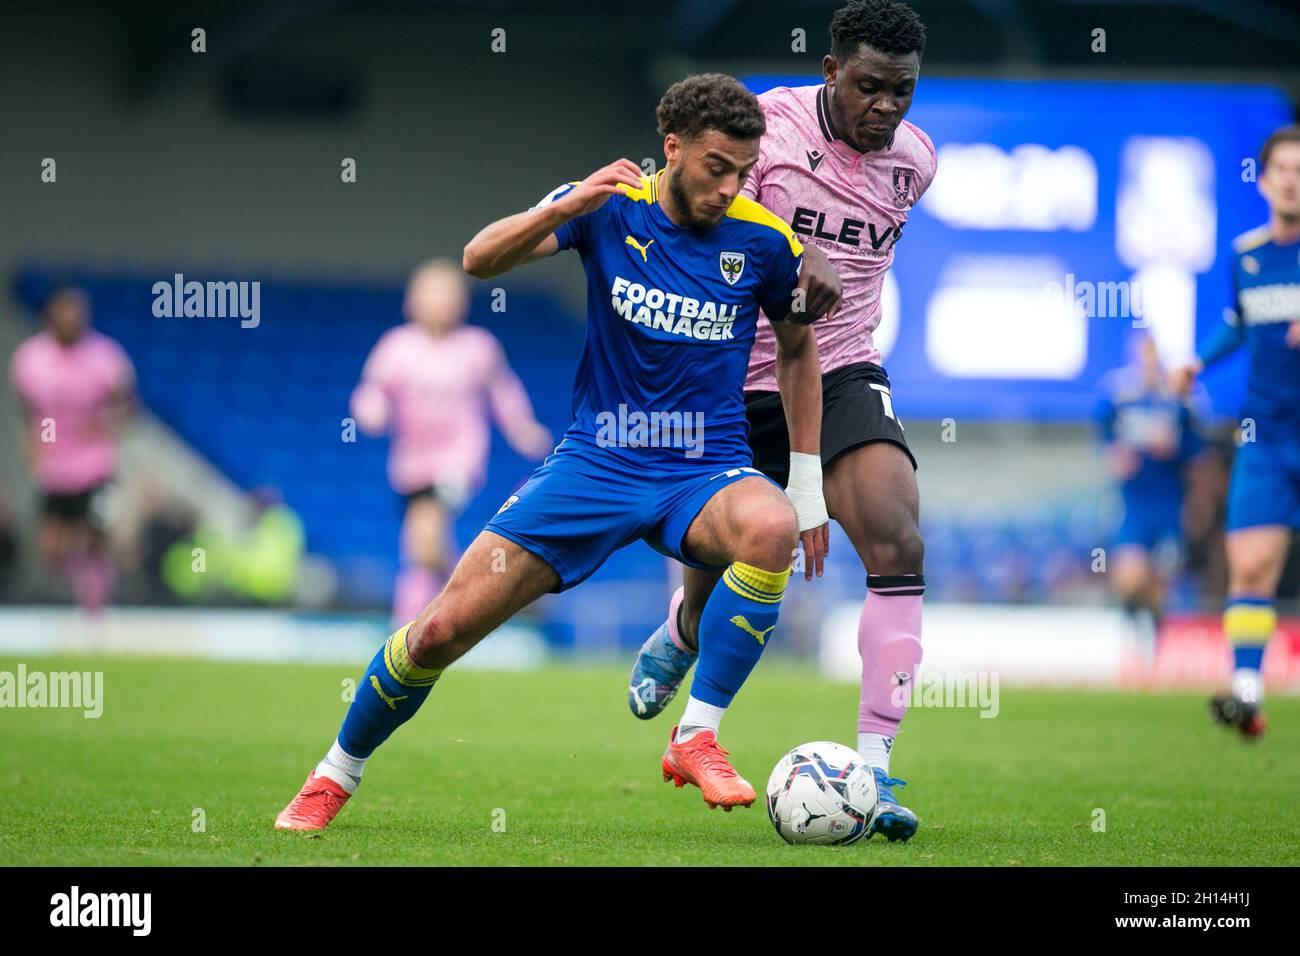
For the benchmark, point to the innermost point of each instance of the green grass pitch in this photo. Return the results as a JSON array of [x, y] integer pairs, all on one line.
[[550, 768]]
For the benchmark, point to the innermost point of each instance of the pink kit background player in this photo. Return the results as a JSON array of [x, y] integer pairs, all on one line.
[[433, 394], [71, 385]]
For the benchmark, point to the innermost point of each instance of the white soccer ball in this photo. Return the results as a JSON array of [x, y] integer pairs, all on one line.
[[821, 792]]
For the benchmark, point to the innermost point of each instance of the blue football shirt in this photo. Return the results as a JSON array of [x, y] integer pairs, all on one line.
[[671, 317], [1266, 278]]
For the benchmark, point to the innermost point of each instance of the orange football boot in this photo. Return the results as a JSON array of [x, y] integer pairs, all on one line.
[[318, 802], [702, 761]]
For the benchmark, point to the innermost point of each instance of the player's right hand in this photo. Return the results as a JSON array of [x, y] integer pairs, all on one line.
[[590, 194], [1181, 379]]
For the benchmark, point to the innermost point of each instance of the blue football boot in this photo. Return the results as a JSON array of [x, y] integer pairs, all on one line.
[[660, 668], [891, 819]]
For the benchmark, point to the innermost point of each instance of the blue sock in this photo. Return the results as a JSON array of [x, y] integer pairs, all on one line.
[[1248, 656], [734, 628], [1248, 622], [391, 691]]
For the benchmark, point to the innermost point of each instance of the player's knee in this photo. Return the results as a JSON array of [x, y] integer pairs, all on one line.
[[897, 550], [434, 638], [767, 538], [1253, 573]]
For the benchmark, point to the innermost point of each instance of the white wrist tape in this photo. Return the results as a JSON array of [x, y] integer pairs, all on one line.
[[804, 490]]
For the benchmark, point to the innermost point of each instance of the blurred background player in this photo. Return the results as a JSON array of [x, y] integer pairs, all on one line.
[[1264, 498], [840, 165], [75, 387], [430, 384], [1150, 436]]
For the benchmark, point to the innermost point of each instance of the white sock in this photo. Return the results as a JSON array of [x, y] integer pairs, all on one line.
[[1248, 685], [342, 767], [698, 716], [875, 749]]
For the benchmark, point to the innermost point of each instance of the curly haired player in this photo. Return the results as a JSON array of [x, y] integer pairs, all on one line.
[[678, 267]]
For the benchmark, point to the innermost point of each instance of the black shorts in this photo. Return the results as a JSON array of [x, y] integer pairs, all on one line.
[[87, 506], [856, 410], [450, 495]]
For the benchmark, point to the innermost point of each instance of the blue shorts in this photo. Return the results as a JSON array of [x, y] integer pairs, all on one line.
[[584, 503], [1265, 485], [1150, 523]]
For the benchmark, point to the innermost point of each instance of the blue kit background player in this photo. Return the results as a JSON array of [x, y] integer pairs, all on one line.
[[1150, 436], [1264, 497], [677, 267]]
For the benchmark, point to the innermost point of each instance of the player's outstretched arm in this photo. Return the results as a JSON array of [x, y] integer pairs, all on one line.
[[799, 380], [513, 413], [1226, 339], [528, 236]]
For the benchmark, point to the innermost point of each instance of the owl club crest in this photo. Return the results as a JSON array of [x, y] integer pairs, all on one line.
[[732, 265], [904, 176]]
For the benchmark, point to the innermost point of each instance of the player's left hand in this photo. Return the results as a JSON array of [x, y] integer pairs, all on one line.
[[1293, 334], [804, 490], [819, 290], [816, 542]]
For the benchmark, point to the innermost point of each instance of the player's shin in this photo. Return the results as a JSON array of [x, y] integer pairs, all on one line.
[[391, 691], [889, 640], [1248, 623], [734, 629]]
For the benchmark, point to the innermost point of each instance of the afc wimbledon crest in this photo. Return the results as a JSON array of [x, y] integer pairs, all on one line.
[[732, 265], [903, 178]]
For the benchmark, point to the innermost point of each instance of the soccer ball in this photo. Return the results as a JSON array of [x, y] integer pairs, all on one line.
[[821, 792]]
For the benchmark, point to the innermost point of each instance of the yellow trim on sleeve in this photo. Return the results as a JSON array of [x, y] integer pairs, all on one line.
[[1252, 239], [648, 192]]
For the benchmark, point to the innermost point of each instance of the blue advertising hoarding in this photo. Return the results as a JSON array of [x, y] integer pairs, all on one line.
[[1064, 216]]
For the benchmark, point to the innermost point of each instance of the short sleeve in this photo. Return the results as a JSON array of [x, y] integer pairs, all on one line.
[[934, 163], [121, 371], [754, 182], [18, 366], [782, 274], [573, 234], [381, 364]]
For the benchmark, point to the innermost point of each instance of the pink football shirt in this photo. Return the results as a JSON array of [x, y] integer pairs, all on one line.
[[851, 205], [433, 395], [70, 386]]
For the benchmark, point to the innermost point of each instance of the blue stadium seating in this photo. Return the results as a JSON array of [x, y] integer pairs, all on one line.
[[265, 405]]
